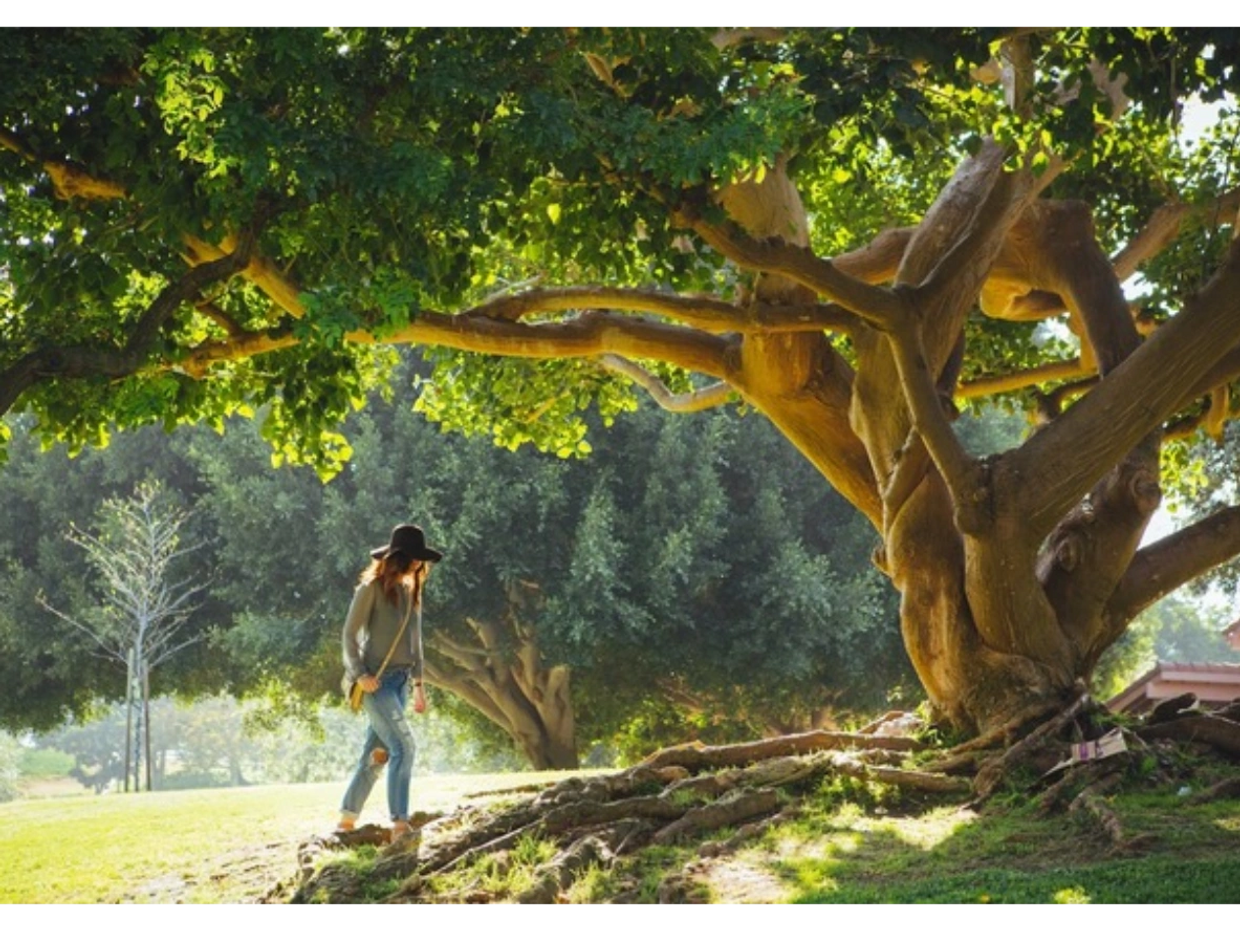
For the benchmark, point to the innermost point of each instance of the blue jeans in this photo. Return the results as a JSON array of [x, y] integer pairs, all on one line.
[[387, 729]]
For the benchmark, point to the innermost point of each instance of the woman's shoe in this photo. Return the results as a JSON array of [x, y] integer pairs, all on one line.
[[400, 829]]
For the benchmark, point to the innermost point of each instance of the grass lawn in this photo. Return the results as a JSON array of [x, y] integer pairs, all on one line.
[[204, 846], [232, 845]]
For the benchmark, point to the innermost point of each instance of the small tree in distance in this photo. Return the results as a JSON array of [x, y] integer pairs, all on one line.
[[141, 617]]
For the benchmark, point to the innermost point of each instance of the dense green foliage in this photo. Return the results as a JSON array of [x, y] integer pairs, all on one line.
[[397, 171], [690, 562]]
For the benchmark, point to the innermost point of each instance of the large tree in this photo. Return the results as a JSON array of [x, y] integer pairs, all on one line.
[[848, 230]]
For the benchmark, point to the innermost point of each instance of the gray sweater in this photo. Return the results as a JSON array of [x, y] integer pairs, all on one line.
[[371, 626]]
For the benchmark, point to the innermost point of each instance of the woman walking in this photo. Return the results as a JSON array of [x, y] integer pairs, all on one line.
[[383, 654]]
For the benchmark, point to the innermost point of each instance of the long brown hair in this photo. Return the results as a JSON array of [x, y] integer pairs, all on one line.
[[397, 570]]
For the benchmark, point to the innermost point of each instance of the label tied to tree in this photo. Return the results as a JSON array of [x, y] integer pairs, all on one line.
[[1109, 744]]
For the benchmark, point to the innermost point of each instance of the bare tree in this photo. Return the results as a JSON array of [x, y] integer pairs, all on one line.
[[140, 619]]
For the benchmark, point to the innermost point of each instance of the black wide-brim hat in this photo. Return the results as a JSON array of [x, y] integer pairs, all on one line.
[[410, 540]]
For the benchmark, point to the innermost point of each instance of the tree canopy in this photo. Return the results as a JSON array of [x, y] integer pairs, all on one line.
[[853, 231]]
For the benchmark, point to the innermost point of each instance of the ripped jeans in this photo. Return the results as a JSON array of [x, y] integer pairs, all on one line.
[[389, 730]]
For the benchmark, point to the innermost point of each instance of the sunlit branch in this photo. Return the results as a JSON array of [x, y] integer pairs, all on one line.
[[1175, 560], [1014, 381], [68, 179], [258, 271], [703, 313], [107, 360], [702, 399], [1212, 416], [877, 305], [929, 418], [1165, 224], [587, 336], [965, 265]]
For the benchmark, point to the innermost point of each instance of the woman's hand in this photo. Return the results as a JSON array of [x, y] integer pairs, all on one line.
[[369, 683], [419, 698]]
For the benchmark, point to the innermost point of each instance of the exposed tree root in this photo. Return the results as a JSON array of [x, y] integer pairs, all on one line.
[[554, 876], [696, 756], [724, 812], [1227, 788], [723, 797], [991, 773], [1092, 802], [1068, 789], [1210, 729]]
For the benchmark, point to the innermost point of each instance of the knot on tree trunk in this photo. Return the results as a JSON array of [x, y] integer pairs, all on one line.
[[1144, 490], [1068, 551]]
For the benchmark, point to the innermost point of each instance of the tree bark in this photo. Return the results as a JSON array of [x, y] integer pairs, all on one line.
[[512, 688]]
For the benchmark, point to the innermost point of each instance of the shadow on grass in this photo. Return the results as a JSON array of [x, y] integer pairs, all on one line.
[[1177, 853]]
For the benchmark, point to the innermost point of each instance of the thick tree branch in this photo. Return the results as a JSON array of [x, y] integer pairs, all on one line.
[[966, 264], [1174, 561], [929, 418], [1137, 397], [588, 336], [950, 256], [703, 313], [69, 180], [465, 686], [1084, 276], [877, 305], [702, 399], [1014, 381], [1165, 224], [470, 658], [1016, 61], [72, 362]]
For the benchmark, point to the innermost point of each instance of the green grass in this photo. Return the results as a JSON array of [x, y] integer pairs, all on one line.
[[1182, 854], [200, 846], [848, 846]]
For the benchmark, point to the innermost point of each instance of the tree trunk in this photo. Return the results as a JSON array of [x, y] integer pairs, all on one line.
[[146, 716], [1005, 578], [512, 688], [129, 734]]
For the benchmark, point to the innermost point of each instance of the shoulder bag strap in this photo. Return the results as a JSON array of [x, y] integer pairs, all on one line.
[[399, 633]]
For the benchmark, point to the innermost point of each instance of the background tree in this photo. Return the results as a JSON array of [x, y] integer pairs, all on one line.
[[53, 677], [1173, 630], [335, 190], [547, 582], [725, 589], [143, 605], [10, 757]]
